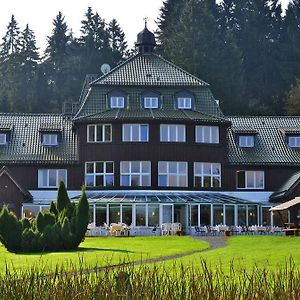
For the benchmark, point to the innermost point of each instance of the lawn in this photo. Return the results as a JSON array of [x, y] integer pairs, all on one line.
[[102, 251], [248, 251]]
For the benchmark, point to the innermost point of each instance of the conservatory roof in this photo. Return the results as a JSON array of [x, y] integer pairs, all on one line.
[[162, 197]]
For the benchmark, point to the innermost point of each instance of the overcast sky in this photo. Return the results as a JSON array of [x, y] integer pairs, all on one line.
[[39, 15]]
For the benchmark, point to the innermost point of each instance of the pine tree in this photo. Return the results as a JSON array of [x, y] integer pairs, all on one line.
[[117, 42], [292, 106], [201, 48], [11, 40], [59, 40]]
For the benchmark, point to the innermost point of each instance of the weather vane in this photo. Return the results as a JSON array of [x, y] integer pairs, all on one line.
[[146, 21]]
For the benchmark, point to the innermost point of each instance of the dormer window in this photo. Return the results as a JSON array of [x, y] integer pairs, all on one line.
[[49, 139], [184, 100], [151, 102], [184, 103], [116, 99], [246, 141], [3, 140], [117, 102], [294, 141], [150, 99]]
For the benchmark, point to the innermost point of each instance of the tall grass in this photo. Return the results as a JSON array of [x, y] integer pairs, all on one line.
[[152, 282]]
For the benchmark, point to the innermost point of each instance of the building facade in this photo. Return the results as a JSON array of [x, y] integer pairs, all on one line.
[[151, 145]]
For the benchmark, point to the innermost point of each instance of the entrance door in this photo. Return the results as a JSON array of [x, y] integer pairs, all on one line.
[[180, 214], [167, 213]]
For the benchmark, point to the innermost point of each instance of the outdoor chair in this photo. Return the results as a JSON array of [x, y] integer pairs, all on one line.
[[166, 228]]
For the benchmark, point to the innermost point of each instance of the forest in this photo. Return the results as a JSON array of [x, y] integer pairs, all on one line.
[[248, 50]]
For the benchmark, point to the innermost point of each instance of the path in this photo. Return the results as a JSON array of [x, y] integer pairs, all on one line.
[[214, 241]]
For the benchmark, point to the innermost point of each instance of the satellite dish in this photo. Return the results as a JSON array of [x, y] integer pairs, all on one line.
[[105, 68]]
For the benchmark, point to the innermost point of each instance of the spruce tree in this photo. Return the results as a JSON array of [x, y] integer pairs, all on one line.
[[117, 42], [11, 40]]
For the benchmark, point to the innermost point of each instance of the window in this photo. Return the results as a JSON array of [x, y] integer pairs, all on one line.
[[135, 173], [207, 134], [50, 178], [3, 139], [150, 102], [172, 133], [99, 173], [294, 141], [207, 175], [172, 173], [117, 102], [135, 132], [49, 139], [246, 141], [184, 103], [250, 179], [99, 133]]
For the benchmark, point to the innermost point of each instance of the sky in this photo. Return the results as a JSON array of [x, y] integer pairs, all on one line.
[[40, 14]]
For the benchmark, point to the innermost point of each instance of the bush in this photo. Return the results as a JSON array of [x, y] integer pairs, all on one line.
[[10, 230], [43, 219], [63, 227]]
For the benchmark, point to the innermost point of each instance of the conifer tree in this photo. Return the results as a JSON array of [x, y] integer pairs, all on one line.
[[117, 42], [11, 40]]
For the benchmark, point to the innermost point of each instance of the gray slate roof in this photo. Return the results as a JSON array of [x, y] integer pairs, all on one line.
[[25, 146], [149, 70], [154, 114], [270, 145]]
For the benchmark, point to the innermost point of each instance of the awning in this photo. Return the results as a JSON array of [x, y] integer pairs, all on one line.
[[286, 205]]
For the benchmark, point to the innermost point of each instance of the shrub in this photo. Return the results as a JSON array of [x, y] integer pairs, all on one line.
[[82, 218], [44, 219], [10, 230], [63, 227]]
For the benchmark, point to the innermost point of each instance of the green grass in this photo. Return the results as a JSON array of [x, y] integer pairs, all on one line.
[[102, 251], [248, 251]]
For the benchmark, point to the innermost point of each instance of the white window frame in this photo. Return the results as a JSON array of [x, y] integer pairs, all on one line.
[[131, 133], [95, 174], [169, 127], [131, 174], [294, 141], [247, 172], [202, 174], [117, 102], [177, 174], [212, 130], [50, 139], [153, 102], [184, 102], [96, 127], [3, 138], [246, 141], [40, 175]]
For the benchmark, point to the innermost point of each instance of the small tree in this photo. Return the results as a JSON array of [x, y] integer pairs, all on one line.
[[63, 199], [82, 218]]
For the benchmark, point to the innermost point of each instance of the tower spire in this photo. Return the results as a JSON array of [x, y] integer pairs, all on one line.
[[145, 40]]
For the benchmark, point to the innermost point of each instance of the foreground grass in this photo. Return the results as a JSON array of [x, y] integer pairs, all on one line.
[[152, 282], [271, 252], [102, 251]]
